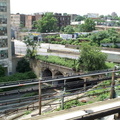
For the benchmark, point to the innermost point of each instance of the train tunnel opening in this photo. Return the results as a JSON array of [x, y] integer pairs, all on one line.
[[59, 75], [47, 74], [74, 83]]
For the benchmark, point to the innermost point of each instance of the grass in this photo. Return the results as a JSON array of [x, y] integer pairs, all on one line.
[[30, 94], [110, 64], [27, 112], [58, 60]]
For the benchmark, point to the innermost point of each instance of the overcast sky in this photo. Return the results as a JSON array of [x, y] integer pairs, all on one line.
[[80, 7]]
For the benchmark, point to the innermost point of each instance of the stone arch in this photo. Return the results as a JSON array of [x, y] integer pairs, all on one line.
[[46, 73], [59, 74]]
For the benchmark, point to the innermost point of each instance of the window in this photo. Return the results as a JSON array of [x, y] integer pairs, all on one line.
[[3, 30], [3, 7], [3, 54], [3, 19], [3, 43]]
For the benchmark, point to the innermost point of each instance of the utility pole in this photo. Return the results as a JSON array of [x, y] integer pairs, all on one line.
[[112, 92]]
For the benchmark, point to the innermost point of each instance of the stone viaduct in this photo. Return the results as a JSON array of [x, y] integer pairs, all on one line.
[[46, 69]]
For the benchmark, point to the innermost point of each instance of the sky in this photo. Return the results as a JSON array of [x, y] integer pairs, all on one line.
[[80, 7]]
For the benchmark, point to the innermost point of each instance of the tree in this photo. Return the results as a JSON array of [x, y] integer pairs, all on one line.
[[88, 26], [31, 47], [32, 53], [23, 66], [2, 71], [113, 35], [98, 37], [79, 18], [47, 23], [91, 58], [69, 29], [65, 14]]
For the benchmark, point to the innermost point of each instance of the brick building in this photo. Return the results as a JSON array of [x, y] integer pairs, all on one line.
[[62, 20], [29, 19]]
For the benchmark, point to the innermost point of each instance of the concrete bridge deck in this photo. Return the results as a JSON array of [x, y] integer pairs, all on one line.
[[86, 112]]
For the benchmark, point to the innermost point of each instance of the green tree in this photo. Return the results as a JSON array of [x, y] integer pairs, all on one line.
[[23, 66], [47, 23], [88, 26], [2, 71], [91, 58], [98, 37], [31, 47], [69, 29], [113, 35], [65, 14], [79, 18]]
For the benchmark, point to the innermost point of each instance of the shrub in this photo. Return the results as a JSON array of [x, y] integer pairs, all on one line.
[[18, 76], [23, 66], [2, 71]]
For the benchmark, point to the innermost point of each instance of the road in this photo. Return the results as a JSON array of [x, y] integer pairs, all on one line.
[[20, 48]]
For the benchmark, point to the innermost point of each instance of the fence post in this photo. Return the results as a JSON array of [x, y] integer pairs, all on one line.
[[62, 101], [112, 91], [39, 96], [85, 80], [64, 85]]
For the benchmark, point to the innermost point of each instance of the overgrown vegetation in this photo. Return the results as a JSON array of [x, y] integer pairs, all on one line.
[[98, 38], [93, 96], [23, 66], [18, 76], [2, 71], [58, 60], [67, 62]]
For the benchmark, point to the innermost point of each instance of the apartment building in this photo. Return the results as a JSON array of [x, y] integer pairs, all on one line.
[[20, 20], [62, 20], [5, 36], [17, 21], [29, 19]]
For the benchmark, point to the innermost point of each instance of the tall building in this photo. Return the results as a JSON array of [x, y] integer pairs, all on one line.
[[17, 21], [62, 20], [5, 36], [29, 19]]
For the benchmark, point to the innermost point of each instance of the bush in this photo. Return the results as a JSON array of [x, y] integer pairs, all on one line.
[[23, 66], [2, 71], [18, 76]]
